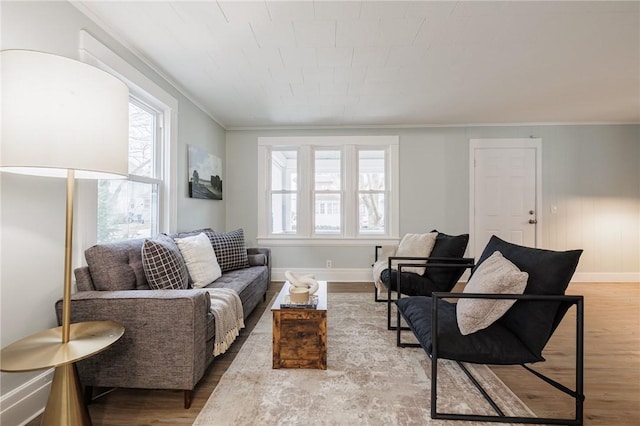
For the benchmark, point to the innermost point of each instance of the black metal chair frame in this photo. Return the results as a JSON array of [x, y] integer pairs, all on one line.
[[577, 394], [432, 262], [375, 289]]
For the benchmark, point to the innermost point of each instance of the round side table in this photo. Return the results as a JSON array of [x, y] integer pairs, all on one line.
[[45, 349]]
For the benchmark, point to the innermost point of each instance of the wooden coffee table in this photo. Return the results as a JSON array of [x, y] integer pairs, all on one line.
[[300, 334]]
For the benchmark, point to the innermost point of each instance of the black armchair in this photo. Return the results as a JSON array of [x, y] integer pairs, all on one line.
[[443, 269], [517, 338]]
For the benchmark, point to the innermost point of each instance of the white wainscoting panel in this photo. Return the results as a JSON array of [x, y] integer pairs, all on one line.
[[27, 401]]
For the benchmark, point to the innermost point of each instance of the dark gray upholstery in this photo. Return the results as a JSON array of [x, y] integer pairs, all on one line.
[[517, 338], [549, 273], [522, 332], [250, 283], [167, 343], [477, 347], [434, 278], [447, 246], [169, 334], [116, 266]]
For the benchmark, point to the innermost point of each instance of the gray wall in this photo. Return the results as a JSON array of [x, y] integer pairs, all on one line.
[[196, 128], [590, 172], [32, 209]]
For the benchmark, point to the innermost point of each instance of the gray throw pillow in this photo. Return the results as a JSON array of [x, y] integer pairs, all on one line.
[[163, 264], [117, 266]]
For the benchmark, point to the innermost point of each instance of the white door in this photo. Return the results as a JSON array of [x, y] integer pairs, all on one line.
[[505, 192]]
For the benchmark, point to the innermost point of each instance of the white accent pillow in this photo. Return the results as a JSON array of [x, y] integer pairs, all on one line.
[[415, 245], [200, 258], [496, 275]]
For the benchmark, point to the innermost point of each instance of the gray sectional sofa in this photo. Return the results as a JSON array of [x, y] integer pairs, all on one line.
[[169, 334]]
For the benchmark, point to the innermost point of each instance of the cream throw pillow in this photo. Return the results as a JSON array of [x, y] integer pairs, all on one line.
[[495, 275], [200, 258], [415, 245]]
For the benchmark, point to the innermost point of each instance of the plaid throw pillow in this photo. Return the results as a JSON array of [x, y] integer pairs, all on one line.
[[163, 264], [230, 249]]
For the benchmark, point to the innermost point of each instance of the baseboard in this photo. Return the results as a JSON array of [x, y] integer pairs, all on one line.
[[365, 275], [27, 401], [327, 274]]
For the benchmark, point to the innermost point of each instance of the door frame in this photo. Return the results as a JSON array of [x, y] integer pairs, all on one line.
[[490, 143]]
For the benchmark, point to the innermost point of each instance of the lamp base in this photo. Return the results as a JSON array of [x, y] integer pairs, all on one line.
[[65, 406], [45, 349]]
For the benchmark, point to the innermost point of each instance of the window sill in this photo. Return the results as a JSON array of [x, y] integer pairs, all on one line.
[[338, 241]]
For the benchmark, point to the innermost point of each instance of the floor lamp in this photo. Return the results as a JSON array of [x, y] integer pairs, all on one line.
[[62, 118]]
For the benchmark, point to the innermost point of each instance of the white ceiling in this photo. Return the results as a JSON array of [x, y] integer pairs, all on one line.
[[394, 63]]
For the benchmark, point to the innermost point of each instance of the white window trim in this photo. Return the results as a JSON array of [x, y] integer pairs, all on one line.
[[95, 53], [307, 238], [133, 98]]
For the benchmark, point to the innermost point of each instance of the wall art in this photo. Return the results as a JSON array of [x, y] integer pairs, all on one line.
[[205, 174]]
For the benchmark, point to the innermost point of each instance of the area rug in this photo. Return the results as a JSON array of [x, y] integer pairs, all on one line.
[[368, 381]]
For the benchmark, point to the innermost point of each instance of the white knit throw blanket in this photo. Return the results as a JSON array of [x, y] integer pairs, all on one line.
[[381, 265], [226, 308]]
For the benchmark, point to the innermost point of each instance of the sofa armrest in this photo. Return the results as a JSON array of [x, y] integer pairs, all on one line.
[[84, 282], [258, 260], [164, 345], [260, 256], [257, 251]]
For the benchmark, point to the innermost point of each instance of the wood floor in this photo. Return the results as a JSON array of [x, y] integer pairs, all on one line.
[[612, 367]]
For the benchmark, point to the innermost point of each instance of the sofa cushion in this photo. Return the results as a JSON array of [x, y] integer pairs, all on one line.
[[184, 234], [200, 259], [447, 246], [250, 284], [495, 344], [117, 266], [549, 273], [496, 275], [412, 284], [239, 279], [230, 249], [163, 264], [434, 279]]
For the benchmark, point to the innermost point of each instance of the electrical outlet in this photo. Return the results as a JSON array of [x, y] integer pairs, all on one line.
[[329, 264]]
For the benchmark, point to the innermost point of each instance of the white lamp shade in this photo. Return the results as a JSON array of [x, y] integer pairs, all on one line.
[[60, 114]]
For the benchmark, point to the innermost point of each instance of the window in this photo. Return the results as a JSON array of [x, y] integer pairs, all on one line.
[[327, 193], [371, 191], [323, 189], [130, 208], [145, 203], [284, 175]]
